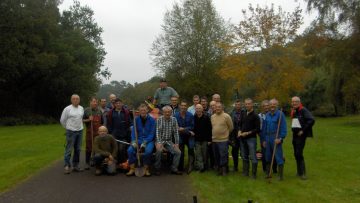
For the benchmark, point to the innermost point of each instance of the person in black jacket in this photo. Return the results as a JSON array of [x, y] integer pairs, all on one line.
[[250, 127], [236, 116], [301, 125], [202, 130]]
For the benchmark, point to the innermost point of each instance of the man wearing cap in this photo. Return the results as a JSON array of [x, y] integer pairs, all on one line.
[[163, 94]]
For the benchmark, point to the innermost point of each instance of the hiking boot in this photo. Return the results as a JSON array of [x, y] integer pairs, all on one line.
[[147, 171], [87, 166], [67, 170], [176, 172], [281, 172], [131, 171], [77, 169], [190, 164], [254, 170], [245, 168], [157, 172]]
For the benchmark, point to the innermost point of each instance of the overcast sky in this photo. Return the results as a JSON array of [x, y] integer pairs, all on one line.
[[130, 27]]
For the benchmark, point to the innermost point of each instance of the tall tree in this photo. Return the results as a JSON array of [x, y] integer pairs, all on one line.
[[46, 56], [189, 51], [339, 24]]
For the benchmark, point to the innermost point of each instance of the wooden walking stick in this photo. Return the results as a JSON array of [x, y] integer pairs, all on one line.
[[274, 151], [139, 171]]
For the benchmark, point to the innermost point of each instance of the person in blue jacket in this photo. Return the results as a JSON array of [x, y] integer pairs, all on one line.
[[146, 129], [185, 122], [269, 136]]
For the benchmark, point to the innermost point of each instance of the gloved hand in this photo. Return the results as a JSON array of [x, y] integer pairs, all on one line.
[[133, 144]]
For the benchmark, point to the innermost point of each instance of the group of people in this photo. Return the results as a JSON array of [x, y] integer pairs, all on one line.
[[115, 136]]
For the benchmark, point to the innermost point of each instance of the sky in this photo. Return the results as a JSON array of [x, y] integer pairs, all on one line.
[[130, 27]]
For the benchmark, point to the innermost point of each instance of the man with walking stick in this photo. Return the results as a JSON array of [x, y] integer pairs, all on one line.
[[93, 119], [273, 133], [301, 125]]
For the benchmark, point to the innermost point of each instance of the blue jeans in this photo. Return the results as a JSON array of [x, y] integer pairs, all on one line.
[[73, 140], [248, 149], [146, 155], [221, 153]]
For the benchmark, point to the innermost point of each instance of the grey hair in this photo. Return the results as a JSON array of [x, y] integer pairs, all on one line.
[[167, 107]]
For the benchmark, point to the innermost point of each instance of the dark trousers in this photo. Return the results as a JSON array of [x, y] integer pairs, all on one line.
[[99, 163], [235, 150], [189, 141], [210, 162], [299, 144], [122, 155]]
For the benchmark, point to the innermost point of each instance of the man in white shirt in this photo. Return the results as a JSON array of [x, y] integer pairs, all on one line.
[[72, 120], [196, 100]]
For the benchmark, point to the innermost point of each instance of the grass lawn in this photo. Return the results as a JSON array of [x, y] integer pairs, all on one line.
[[26, 149], [333, 168]]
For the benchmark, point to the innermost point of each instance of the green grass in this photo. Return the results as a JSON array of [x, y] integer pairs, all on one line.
[[26, 149], [333, 169]]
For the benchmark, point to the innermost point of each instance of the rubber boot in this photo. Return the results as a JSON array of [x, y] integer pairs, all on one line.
[[190, 164], [224, 171], [254, 170], [131, 171], [245, 168], [281, 172], [298, 168], [147, 171], [267, 170], [303, 171]]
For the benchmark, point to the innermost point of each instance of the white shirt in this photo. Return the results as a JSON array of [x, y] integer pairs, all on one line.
[[191, 109], [72, 118]]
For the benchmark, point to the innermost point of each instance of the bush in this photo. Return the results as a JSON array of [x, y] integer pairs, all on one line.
[[27, 120], [326, 110]]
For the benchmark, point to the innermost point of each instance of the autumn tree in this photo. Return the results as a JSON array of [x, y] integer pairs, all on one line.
[[338, 27], [188, 51], [260, 62]]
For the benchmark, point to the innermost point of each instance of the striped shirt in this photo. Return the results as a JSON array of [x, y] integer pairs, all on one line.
[[167, 130]]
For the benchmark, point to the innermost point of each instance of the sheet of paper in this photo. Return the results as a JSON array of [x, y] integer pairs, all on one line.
[[295, 123]]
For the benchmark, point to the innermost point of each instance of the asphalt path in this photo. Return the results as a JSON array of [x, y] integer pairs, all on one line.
[[51, 185]]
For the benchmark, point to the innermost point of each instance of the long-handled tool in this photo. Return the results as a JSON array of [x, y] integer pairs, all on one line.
[[274, 150], [123, 142], [92, 139], [139, 171]]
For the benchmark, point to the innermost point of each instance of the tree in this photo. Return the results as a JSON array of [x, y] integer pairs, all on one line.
[[261, 62], [46, 56], [189, 51], [339, 25]]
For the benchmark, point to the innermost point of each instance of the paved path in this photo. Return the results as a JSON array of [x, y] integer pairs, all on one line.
[[51, 186]]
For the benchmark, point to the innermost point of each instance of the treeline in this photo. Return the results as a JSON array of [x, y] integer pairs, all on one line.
[[45, 57], [262, 56]]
